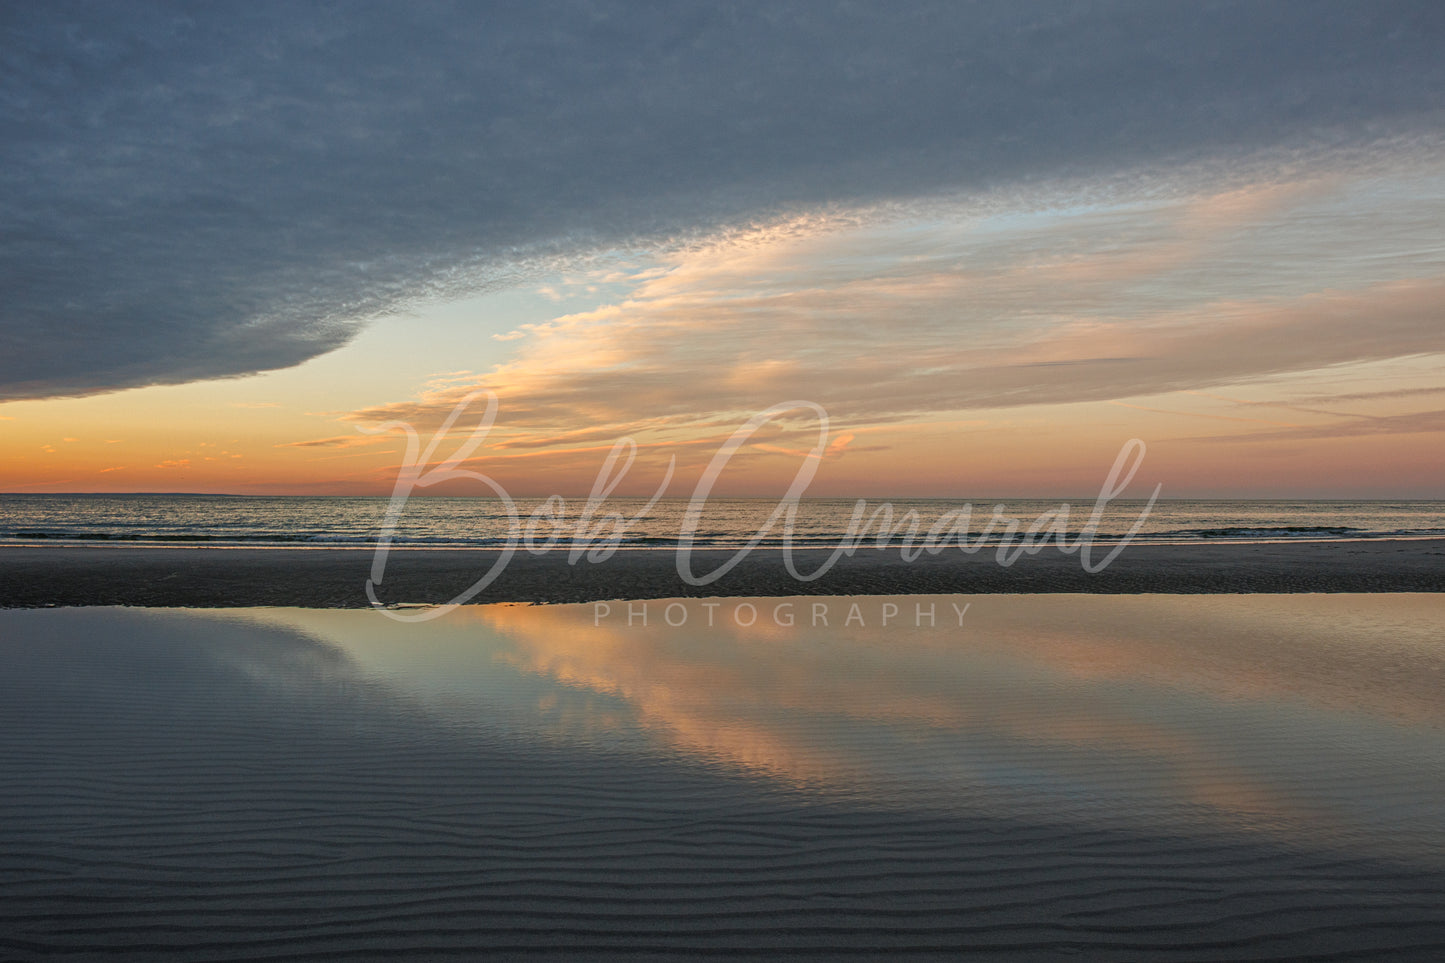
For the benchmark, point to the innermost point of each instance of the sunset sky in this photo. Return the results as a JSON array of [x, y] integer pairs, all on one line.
[[995, 242]]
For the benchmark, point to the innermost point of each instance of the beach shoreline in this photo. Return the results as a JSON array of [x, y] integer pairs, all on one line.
[[43, 577]]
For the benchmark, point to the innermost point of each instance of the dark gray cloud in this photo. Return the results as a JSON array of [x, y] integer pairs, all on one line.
[[191, 191]]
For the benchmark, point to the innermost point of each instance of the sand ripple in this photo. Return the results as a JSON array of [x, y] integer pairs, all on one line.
[[161, 800]]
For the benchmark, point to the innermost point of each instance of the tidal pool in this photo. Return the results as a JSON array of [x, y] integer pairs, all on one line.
[[1193, 776]]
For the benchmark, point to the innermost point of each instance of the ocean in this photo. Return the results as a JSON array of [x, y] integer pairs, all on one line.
[[327, 521]]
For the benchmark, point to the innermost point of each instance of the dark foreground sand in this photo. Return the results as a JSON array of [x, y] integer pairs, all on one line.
[[212, 577], [1197, 778]]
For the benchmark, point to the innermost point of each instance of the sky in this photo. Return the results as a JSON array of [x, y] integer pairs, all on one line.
[[993, 241]]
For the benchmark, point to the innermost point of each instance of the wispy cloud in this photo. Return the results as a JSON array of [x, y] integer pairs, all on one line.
[[336, 441], [1411, 423], [1386, 395], [879, 316], [1285, 406], [1202, 414]]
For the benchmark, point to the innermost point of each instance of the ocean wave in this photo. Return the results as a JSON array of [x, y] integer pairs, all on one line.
[[1295, 531]]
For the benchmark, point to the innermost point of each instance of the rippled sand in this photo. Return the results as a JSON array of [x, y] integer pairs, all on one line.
[[1169, 777]]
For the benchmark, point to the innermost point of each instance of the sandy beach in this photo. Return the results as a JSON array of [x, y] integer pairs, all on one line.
[[1163, 777], [336, 578], [449, 451], [204, 755]]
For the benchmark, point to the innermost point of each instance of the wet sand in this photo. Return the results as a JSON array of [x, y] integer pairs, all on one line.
[[1153, 777], [336, 578]]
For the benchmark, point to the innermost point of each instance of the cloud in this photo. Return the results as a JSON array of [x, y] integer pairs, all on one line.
[[1376, 395], [1409, 423], [338, 441], [1202, 414], [983, 310], [196, 192]]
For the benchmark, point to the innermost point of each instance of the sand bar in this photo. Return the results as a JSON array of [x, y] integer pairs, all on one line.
[[336, 578]]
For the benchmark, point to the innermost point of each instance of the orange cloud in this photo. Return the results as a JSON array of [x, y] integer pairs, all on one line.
[[335, 441]]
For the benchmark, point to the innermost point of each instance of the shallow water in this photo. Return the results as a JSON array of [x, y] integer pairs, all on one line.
[[1201, 776], [1318, 718]]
